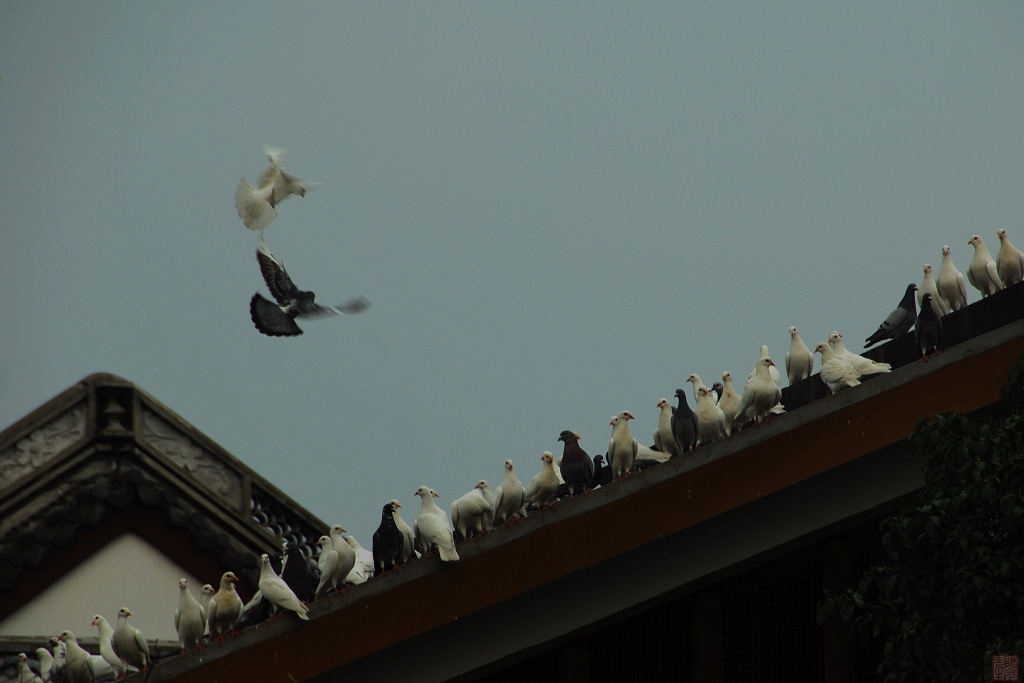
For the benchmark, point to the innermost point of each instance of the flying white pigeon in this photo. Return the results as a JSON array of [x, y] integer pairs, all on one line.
[[470, 513], [730, 403], [836, 372], [346, 555], [188, 618], [982, 272], [950, 282], [225, 607], [930, 286], [432, 528], [710, 416], [278, 320], [509, 497], [544, 485], [1009, 261], [799, 359], [106, 646], [277, 592], [761, 393], [256, 206], [25, 674], [408, 542], [129, 643], [663, 437], [861, 365], [622, 447]]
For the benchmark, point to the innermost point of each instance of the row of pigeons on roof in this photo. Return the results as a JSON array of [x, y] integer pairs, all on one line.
[[291, 583]]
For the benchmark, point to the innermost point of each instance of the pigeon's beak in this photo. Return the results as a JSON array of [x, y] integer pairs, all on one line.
[[434, 495]]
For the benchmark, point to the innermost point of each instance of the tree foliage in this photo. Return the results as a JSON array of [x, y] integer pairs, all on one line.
[[950, 593]]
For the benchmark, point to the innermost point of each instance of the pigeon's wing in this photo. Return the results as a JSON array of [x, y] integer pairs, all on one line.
[[274, 274], [894, 320], [270, 319], [140, 641], [269, 175], [254, 211], [355, 305], [175, 620], [993, 274]]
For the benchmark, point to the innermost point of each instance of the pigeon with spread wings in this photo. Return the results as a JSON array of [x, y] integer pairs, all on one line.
[[278, 320]]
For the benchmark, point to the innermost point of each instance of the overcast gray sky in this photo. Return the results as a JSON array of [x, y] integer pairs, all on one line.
[[559, 211]]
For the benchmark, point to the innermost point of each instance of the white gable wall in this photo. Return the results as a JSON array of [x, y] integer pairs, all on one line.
[[127, 572]]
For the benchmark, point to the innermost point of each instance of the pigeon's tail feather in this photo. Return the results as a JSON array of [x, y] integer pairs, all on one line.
[[270, 319], [447, 554]]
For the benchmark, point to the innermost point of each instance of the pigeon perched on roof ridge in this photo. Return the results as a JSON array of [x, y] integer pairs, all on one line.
[[799, 359], [276, 591], [509, 497], [663, 436], [684, 423], [1009, 261], [836, 372], [950, 282], [622, 447], [346, 555], [278, 320], [710, 416], [408, 537], [224, 608], [471, 513], [387, 542], [544, 485], [982, 272], [928, 329], [432, 527], [128, 642], [189, 618], [730, 403], [106, 647], [761, 393], [899, 321], [329, 564], [576, 466], [861, 365], [928, 284], [25, 674]]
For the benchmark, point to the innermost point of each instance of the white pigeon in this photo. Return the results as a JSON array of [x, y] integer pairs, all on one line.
[[470, 513], [622, 447], [982, 272], [799, 359], [432, 528], [106, 646], [861, 365], [129, 643], [929, 285], [45, 663], [710, 417], [25, 674], [509, 497], [408, 541], [205, 595], [277, 592], [697, 383], [544, 485], [364, 558], [663, 435], [836, 372], [761, 393], [256, 206], [1009, 261], [225, 607], [79, 665], [950, 282], [488, 494], [346, 555], [327, 563], [729, 403], [189, 618]]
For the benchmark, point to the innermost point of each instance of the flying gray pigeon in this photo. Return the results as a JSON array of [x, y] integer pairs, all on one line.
[[278, 320], [928, 328], [899, 321]]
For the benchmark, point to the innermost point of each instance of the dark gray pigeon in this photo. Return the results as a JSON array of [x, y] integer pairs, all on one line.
[[602, 473], [278, 320], [899, 321], [300, 575], [576, 466], [928, 328], [387, 542], [717, 389], [684, 424]]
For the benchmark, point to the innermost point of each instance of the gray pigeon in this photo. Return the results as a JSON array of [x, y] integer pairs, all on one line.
[[684, 424], [278, 320], [576, 467], [928, 328], [899, 321]]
